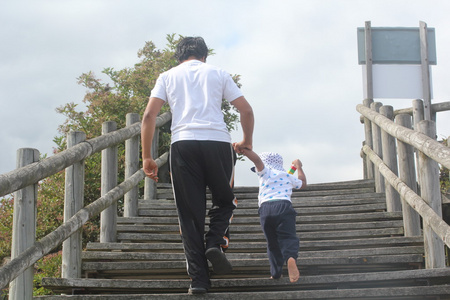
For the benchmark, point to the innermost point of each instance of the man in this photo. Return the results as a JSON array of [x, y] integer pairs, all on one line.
[[201, 153]]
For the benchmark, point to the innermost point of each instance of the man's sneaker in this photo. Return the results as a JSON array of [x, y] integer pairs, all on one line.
[[197, 290], [220, 263]]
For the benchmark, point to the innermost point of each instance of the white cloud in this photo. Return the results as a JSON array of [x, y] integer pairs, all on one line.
[[297, 59]]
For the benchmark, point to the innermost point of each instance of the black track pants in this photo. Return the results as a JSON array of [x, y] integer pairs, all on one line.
[[195, 165]]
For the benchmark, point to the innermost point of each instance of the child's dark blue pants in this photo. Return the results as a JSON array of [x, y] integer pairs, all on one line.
[[277, 219]]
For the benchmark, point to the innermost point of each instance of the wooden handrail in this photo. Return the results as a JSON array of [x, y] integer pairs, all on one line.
[[31, 174], [436, 232], [435, 107], [41, 248], [25, 176], [420, 141], [429, 216]]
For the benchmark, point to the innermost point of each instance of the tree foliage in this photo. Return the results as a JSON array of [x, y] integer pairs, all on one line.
[[6, 221]]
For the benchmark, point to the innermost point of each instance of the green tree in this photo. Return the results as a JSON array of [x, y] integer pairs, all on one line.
[[6, 220]]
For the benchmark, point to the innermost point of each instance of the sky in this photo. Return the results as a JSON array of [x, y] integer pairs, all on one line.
[[297, 60]]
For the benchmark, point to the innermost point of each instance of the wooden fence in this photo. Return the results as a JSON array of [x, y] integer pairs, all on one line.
[[18, 273], [405, 163], [389, 159]]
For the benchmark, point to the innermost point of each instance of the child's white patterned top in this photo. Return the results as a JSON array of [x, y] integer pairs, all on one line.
[[275, 184]]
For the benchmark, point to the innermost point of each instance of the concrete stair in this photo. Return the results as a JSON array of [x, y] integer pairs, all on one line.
[[350, 248]]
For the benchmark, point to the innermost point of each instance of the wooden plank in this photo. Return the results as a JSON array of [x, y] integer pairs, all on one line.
[[304, 211], [349, 184], [156, 266], [260, 236], [372, 278], [150, 256], [257, 228], [374, 216], [251, 246], [411, 293], [242, 196], [312, 201]]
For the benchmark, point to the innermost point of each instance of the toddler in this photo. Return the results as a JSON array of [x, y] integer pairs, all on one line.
[[277, 216]]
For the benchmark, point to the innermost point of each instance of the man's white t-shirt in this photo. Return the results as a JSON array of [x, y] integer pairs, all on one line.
[[194, 91]]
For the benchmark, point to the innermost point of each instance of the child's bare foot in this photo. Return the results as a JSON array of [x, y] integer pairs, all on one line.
[[294, 274]]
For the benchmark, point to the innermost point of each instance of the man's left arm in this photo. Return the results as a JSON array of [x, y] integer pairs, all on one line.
[[247, 123]]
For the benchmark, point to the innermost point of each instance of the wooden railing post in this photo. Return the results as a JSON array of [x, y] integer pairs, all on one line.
[[369, 60], [364, 158], [389, 150], [73, 202], [418, 112], [407, 170], [418, 116], [108, 217], [448, 174], [425, 66], [368, 140], [430, 192], [24, 227], [377, 148], [131, 167], [150, 185]]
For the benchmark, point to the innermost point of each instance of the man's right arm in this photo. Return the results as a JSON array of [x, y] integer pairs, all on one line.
[[147, 132]]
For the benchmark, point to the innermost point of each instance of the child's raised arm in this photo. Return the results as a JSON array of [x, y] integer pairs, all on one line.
[[300, 174]]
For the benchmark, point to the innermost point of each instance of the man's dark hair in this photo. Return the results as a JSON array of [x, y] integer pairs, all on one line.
[[191, 46]]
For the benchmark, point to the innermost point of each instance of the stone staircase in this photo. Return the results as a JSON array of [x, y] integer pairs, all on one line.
[[350, 248]]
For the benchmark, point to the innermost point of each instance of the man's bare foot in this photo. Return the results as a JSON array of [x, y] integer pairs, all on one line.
[[294, 274]]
